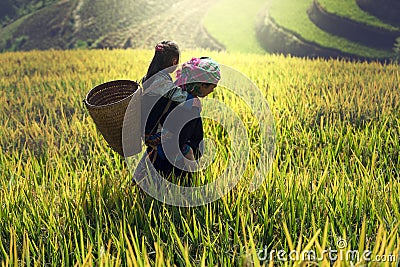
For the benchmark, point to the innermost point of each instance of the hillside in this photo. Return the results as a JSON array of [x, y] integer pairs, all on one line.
[[306, 28], [232, 23], [11, 10], [109, 24]]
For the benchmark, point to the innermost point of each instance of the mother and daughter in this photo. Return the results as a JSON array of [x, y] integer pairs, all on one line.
[[174, 147]]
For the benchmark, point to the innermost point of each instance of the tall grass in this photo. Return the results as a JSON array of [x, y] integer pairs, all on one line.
[[67, 199]]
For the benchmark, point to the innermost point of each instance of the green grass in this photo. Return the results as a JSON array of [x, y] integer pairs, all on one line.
[[350, 9], [66, 198], [232, 23], [292, 15], [7, 32], [13, 10]]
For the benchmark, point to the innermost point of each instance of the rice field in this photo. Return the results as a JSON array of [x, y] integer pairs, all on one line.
[[334, 185]]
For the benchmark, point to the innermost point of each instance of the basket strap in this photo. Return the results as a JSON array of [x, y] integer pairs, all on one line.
[[163, 113], [155, 156], [169, 95], [154, 149]]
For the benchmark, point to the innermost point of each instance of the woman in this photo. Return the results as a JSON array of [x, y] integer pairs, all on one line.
[[173, 130]]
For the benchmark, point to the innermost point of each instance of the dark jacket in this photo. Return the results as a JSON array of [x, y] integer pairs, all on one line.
[[184, 118]]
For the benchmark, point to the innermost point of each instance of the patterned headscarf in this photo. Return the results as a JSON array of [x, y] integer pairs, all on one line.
[[196, 71]]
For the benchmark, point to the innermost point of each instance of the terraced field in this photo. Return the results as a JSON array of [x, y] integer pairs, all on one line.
[[350, 10], [325, 29], [110, 24], [310, 28], [386, 10], [181, 22]]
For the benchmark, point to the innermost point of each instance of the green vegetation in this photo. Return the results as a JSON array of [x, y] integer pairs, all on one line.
[[292, 15], [349, 9], [10, 10], [232, 22], [6, 33], [67, 199], [43, 29], [396, 48]]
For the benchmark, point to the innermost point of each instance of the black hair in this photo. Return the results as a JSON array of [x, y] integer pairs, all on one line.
[[165, 53]]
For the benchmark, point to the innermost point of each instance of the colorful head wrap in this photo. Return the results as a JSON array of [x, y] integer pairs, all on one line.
[[196, 71]]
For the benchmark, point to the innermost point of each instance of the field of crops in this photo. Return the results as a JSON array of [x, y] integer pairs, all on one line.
[[66, 198]]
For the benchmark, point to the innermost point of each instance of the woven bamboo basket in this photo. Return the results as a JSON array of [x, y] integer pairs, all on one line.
[[107, 104]]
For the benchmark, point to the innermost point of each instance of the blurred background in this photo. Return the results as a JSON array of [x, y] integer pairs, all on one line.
[[359, 29]]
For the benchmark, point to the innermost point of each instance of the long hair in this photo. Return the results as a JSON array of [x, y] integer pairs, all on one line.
[[165, 53]]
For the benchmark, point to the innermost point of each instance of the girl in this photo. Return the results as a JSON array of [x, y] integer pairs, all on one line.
[[157, 81]]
